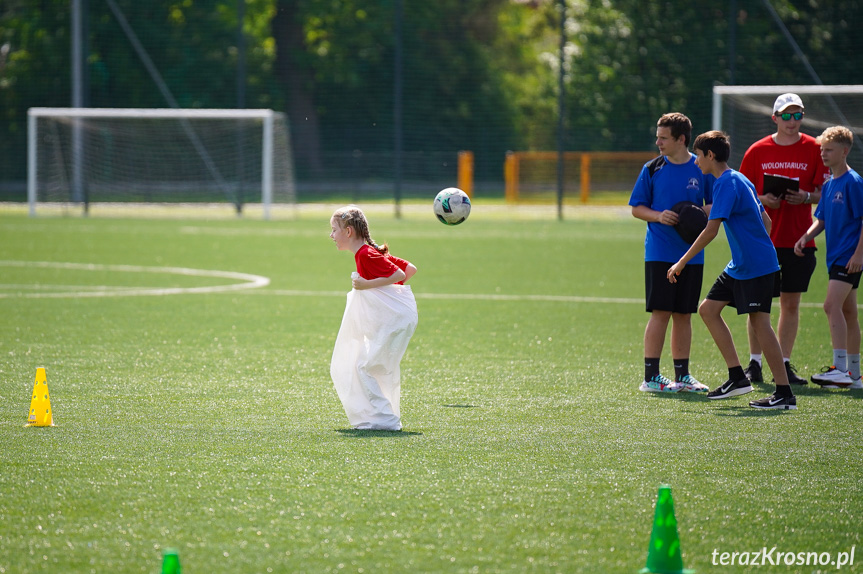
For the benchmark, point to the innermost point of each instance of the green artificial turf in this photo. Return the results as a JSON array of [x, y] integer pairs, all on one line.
[[207, 422]]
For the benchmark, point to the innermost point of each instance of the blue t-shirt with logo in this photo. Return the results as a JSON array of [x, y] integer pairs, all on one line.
[[735, 202], [660, 185], [841, 210]]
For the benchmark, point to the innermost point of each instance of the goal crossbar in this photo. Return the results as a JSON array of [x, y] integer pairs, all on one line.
[[807, 89], [202, 113]]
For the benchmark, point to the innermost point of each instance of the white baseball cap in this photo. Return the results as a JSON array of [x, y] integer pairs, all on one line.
[[786, 100]]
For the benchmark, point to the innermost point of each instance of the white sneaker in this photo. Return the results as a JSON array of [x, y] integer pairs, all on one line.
[[856, 383], [688, 384], [833, 378], [659, 384]]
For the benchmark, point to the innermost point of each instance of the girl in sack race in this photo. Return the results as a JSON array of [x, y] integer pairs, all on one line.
[[380, 318]]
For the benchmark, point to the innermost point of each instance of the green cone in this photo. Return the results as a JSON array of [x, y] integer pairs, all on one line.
[[171, 562], [663, 554]]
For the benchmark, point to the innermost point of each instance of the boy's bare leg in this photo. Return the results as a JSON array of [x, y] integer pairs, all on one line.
[[835, 308], [711, 313], [852, 322], [654, 333], [681, 335], [789, 321], [786, 328], [754, 345], [770, 346]]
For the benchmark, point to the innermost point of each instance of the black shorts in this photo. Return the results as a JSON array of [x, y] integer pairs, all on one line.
[[663, 295], [840, 273], [794, 271], [746, 295]]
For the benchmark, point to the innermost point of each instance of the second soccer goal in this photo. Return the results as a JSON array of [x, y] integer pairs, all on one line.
[[90, 155]]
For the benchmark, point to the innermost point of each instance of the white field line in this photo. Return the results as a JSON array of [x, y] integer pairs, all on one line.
[[486, 297], [248, 281], [464, 296], [255, 282]]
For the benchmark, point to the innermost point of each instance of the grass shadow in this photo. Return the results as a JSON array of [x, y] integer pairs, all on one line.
[[854, 394], [360, 433], [747, 411], [686, 397]]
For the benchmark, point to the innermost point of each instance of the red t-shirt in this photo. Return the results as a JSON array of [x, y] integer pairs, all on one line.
[[371, 264], [801, 161]]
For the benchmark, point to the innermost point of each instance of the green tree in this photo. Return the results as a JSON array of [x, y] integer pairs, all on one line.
[[478, 74], [339, 74], [192, 43]]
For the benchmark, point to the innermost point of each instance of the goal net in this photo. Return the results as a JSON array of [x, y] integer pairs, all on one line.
[[744, 113], [90, 155]]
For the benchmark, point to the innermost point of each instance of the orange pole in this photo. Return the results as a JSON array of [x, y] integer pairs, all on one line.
[[510, 176], [465, 172], [585, 177]]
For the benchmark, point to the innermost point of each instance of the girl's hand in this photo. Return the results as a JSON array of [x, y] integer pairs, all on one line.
[[359, 283]]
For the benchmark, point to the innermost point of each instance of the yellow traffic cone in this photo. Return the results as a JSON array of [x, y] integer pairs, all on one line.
[[663, 554], [40, 404]]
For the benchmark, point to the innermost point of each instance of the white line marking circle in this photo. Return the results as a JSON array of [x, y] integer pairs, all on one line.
[[248, 281]]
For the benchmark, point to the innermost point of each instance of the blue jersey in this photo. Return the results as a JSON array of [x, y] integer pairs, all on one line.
[[735, 201], [660, 185], [841, 210]]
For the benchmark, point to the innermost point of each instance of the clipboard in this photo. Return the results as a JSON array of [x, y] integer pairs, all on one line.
[[778, 185]]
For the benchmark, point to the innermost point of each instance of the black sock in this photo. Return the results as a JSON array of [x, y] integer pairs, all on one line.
[[681, 368], [651, 367], [784, 391], [736, 373]]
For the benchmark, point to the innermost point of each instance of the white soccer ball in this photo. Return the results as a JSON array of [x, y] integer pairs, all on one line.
[[451, 206]]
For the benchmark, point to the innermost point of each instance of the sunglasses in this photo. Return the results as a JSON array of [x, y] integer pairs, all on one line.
[[786, 116]]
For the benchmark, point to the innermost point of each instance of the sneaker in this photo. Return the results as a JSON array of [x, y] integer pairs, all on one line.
[[832, 378], [793, 377], [688, 384], [659, 384], [774, 401], [753, 372], [856, 383], [730, 389]]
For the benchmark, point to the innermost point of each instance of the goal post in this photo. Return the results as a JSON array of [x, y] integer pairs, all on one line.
[[744, 113], [92, 155]]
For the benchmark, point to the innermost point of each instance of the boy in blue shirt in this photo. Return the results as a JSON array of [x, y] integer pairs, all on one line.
[[748, 281], [840, 213], [665, 181]]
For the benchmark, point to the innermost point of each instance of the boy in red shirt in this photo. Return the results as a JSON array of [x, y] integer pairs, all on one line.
[[795, 155]]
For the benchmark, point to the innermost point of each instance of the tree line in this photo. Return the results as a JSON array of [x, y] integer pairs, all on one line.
[[476, 74]]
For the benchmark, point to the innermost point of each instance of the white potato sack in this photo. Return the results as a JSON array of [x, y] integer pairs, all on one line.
[[376, 328]]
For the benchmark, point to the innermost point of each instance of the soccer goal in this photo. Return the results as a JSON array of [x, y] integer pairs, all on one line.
[[98, 155], [744, 113]]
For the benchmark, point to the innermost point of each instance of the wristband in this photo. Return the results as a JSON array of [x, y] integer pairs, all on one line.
[[808, 197]]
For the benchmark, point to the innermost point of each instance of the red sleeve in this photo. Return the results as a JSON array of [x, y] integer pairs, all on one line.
[[400, 263], [750, 168], [371, 264]]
